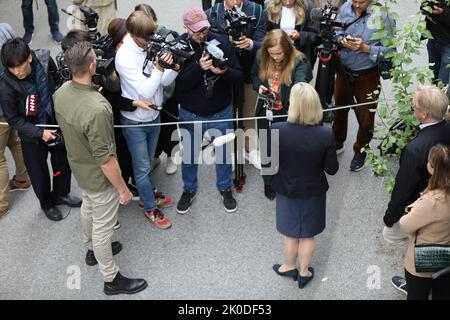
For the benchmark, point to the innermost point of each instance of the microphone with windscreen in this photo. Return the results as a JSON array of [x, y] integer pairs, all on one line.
[[220, 141]]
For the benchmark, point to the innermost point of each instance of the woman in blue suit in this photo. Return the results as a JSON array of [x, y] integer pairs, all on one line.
[[306, 151]]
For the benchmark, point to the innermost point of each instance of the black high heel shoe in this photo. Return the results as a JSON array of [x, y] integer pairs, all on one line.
[[291, 273], [303, 281]]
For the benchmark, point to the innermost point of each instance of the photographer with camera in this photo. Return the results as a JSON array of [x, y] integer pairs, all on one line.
[[360, 76], [27, 86], [438, 23], [203, 90], [140, 80], [278, 66], [206, 4], [86, 120], [245, 23]]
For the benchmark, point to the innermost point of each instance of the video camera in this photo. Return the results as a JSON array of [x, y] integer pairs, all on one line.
[[238, 22], [216, 54], [91, 21], [327, 20], [180, 51]]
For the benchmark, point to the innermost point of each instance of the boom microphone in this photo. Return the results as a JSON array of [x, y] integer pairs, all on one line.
[[220, 141]]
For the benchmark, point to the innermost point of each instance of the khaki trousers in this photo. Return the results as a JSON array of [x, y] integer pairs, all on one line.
[[98, 217], [10, 139]]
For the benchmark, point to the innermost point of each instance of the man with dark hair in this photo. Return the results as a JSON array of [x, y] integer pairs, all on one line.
[[53, 20], [9, 138], [27, 89], [74, 36], [86, 120]]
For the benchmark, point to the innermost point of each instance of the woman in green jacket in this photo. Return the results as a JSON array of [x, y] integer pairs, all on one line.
[[277, 68]]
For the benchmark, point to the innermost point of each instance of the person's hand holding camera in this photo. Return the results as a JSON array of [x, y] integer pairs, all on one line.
[[217, 70], [243, 42], [262, 89], [205, 62], [167, 58], [437, 10], [49, 135]]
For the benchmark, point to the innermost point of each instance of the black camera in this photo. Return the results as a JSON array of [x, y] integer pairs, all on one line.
[[327, 21], [91, 21], [180, 51], [237, 22], [216, 54]]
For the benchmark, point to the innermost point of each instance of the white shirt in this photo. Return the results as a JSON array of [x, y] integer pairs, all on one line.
[[287, 22], [424, 125], [135, 85]]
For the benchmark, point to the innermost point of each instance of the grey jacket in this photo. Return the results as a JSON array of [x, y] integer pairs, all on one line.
[[6, 33]]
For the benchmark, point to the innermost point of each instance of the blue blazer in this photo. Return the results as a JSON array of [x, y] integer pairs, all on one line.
[[305, 154]]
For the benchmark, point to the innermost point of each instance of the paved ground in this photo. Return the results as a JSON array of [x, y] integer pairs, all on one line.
[[207, 254]]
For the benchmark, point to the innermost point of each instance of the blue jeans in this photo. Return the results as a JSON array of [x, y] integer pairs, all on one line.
[[53, 15], [142, 143], [191, 140], [439, 54]]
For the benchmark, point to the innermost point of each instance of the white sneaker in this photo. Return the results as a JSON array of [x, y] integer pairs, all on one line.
[[394, 235], [171, 167]]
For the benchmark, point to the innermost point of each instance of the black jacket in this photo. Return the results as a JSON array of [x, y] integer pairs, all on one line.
[[13, 100], [306, 153], [439, 25], [412, 176]]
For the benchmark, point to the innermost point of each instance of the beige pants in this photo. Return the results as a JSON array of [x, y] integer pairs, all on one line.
[[98, 217], [10, 139], [250, 96]]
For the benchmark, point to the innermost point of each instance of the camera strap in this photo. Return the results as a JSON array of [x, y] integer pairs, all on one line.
[[209, 85], [356, 20]]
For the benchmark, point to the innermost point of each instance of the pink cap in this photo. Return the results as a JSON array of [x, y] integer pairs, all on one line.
[[195, 19]]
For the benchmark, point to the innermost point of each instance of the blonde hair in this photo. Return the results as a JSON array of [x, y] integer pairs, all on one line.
[[267, 64], [304, 105], [274, 11], [141, 25], [433, 101]]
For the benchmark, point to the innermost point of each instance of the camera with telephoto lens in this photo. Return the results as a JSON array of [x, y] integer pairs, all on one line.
[[180, 51], [237, 22], [216, 54]]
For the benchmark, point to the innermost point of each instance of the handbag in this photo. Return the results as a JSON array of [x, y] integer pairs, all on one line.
[[431, 257]]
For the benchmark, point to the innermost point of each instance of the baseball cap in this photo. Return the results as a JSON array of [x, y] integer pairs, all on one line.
[[195, 19]]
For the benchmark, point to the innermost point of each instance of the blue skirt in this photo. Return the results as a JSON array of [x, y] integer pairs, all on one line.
[[300, 217]]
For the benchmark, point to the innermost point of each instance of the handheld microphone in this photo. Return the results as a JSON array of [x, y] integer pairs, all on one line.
[[220, 141]]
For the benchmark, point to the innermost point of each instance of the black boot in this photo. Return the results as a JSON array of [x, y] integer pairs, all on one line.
[[121, 284], [268, 192], [90, 257]]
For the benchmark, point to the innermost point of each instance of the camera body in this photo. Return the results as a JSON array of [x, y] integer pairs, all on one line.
[[180, 51], [238, 22], [327, 23], [90, 20], [216, 54]]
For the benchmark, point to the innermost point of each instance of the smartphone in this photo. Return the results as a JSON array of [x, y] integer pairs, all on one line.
[[351, 39]]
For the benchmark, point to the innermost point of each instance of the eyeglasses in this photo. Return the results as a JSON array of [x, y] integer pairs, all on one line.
[[201, 32]]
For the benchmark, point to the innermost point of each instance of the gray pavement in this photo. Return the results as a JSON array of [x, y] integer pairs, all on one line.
[[208, 253]]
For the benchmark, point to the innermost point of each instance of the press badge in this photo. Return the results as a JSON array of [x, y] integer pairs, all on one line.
[[269, 114], [31, 105]]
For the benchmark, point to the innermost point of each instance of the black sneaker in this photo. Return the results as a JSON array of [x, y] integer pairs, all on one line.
[[229, 202], [28, 37], [399, 283], [184, 204], [269, 192], [117, 226], [357, 163]]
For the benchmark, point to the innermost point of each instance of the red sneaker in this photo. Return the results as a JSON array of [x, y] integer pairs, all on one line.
[[158, 219], [162, 201]]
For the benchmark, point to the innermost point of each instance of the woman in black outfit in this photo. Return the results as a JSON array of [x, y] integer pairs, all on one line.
[[306, 151]]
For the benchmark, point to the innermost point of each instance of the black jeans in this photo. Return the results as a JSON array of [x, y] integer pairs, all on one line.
[[53, 15], [165, 143], [35, 157], [419, 288]]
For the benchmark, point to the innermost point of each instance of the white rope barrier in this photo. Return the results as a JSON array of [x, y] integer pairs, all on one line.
[[208, 121]]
